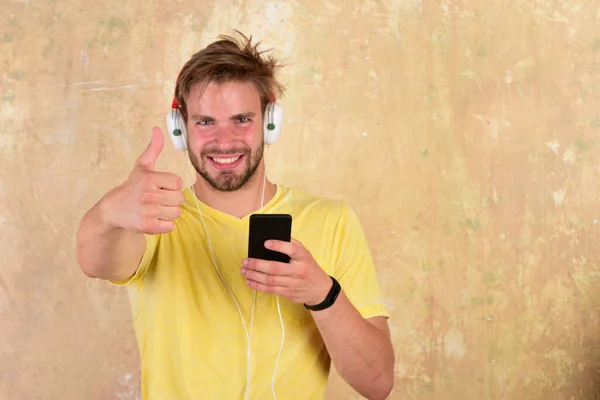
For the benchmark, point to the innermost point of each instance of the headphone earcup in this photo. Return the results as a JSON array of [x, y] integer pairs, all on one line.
[[177, 130], [272, 122]]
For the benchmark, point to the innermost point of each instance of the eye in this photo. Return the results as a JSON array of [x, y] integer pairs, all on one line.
[[243, 120], [203, 122]]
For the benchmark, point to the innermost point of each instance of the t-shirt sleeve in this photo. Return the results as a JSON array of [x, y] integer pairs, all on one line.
[[354, 268], [146, 261]]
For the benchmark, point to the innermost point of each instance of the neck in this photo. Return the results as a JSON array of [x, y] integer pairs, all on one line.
[[239, 203]]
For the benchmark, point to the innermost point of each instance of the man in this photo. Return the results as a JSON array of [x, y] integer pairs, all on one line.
[[182, 254]]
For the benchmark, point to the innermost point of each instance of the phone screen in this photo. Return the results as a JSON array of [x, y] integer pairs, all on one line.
[[268, 226]]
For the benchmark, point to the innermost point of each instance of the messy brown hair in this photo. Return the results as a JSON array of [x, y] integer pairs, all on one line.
[[230, 59]]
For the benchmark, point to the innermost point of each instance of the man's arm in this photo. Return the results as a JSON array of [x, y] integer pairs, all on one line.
[[110, 239], [107, 252], [360, 348]]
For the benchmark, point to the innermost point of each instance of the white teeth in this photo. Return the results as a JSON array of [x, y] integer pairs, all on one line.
[[226, 160]]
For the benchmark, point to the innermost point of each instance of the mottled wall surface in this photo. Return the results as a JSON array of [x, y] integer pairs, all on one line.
[[465, 133]]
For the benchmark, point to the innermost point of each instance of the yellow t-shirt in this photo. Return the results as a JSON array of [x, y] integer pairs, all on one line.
[[190, 335]]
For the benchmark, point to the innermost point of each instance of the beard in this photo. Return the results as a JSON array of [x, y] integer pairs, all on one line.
[[228, 181]]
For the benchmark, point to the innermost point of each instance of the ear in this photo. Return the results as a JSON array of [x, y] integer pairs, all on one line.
[[272, 122]]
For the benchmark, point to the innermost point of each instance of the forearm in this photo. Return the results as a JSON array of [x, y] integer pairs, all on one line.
[[105, 251], [361, 352]]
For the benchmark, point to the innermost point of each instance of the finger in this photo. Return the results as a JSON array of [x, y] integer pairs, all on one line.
[[261, 287], [266, 279], [269, 267], [162, 197], [168, 213], [154, 226], [294, 249], [171, 198], [167, 181], [150, 155]]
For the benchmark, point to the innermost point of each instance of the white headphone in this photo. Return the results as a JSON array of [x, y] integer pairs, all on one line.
[[178, 132]]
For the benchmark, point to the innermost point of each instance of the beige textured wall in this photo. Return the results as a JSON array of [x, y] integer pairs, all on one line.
[[465, 133]]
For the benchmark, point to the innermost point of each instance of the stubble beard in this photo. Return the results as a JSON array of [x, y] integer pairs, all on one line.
[[228, 181]]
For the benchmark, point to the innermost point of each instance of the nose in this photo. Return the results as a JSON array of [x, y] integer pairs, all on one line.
[[224, 134]]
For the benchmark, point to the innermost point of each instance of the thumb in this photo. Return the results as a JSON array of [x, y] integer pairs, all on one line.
[[150, 155]]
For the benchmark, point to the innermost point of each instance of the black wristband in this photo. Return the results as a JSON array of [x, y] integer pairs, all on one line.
[[329, 299]]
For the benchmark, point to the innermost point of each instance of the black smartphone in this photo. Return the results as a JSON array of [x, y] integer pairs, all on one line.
[[268, 226]]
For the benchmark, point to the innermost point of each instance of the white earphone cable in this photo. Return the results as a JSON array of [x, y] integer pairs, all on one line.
[[248, 333], [276, 297]]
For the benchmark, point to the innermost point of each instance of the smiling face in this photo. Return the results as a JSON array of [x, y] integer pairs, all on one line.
[[225, 135]]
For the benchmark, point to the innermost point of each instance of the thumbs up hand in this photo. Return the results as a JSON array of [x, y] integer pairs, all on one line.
[[148, 201]]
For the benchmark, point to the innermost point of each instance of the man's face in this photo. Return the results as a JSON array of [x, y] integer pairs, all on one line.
[[225, 135]]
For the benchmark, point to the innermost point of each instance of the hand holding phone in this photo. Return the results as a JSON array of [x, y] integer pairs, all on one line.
[[286, 268]]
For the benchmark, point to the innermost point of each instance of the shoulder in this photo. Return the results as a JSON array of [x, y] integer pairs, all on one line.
[[326, 211], [301, 201]]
